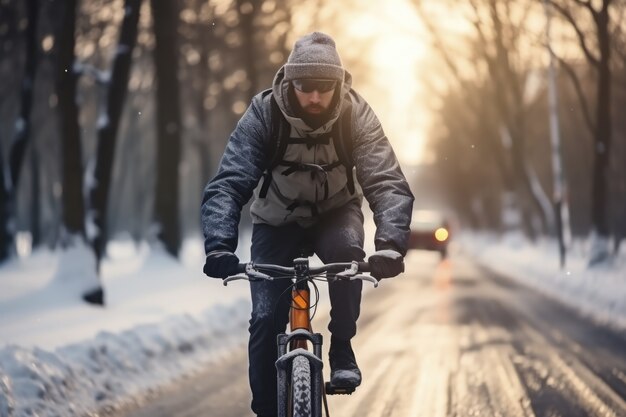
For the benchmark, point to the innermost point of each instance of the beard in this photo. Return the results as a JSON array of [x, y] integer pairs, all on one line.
[[316, 120], [313, 120], [314, 109]]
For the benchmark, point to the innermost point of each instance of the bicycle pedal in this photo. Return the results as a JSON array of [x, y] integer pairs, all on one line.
[[333, 390]]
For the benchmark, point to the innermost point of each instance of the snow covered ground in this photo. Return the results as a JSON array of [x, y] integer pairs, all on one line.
[[164, 319], [598, 292]]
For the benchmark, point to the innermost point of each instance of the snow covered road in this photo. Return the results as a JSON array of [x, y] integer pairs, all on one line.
[[443, 339], [448, 339]]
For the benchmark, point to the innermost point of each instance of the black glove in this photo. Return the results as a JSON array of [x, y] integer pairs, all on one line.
[[220, 264], [386, 263]]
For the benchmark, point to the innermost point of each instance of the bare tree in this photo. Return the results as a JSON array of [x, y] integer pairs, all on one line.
[[165, 15], [5, 212], [73, 203], [67, 78], [598, 122], [509, 98], [22, 126], [98, 193], [206, 40], [248, 11], [475, 187], [35, 204], [619, 43], [22, 134], [496, 47]]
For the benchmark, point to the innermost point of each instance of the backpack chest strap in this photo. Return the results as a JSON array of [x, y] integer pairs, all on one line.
[[311, 141], [312, 206], [281, 131], [312, 168]]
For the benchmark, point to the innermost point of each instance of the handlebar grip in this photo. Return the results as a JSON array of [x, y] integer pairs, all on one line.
[[364, 267], [241, 268]]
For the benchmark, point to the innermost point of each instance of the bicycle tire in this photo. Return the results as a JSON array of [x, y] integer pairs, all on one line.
[[301, 387]]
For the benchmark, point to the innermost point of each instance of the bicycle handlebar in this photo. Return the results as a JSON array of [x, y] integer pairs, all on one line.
[[341, 271], [288, 270]]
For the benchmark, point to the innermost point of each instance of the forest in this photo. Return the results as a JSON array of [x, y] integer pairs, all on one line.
[[114, 113]]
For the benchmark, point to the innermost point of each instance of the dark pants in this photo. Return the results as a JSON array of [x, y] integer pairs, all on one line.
[[337, 237]]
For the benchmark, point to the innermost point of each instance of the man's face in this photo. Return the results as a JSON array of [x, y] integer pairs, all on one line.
[[314, 96]]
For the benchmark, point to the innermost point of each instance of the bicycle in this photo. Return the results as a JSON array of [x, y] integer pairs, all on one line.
[[301, 389]]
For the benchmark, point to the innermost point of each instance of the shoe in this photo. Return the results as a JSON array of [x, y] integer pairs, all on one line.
[[344, 372]]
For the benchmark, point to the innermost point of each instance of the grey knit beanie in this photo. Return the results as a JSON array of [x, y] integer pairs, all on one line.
[[314, 56]]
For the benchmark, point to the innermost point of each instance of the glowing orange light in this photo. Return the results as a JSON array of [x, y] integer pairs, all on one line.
[[441, 234]]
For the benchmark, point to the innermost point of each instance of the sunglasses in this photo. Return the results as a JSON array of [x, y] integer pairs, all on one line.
[[309, 85]]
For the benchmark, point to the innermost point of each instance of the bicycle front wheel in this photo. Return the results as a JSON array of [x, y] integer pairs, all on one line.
[[301, 387]]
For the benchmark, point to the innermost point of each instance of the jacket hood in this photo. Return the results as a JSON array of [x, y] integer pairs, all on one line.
[[280, 90]]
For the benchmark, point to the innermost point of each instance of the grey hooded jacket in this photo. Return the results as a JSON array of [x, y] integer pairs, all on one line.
[[246, 158]]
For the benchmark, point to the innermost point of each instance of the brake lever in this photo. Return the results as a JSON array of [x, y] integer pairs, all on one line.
[[256, 275], [349, 273], [365, 278], [251, 274], [226, 280]]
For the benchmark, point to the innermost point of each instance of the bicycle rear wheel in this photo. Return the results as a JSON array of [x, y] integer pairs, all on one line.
[[301, 387]]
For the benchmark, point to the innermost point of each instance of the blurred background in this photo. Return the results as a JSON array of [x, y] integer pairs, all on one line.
[[114, 114]]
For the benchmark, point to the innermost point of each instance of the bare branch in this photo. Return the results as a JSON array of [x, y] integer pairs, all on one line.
[[478, 25], [579, 92], [505, 49], [438, 43], [463, 83], [619, 47], [521, 27], [618, 32], [579, 33], [587, 4]]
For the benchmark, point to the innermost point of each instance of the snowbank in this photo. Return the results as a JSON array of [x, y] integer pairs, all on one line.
[[163, 319], [80, 378], [598, 292]]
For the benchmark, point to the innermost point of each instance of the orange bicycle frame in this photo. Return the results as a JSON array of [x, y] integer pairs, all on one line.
[[299, 315]]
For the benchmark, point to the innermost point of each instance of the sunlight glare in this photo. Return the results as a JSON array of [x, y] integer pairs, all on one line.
[[385, 47], [393, 88]]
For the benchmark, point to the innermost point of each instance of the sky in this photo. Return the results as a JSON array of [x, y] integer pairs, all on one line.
[[391, 39], [395, 56]]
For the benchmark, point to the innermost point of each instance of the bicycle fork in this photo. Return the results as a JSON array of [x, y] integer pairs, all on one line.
[[296, 344], [283, 366]]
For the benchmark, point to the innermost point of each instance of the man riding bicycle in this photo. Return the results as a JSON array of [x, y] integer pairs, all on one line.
[[297, 149]]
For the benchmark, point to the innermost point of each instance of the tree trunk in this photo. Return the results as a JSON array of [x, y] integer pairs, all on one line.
[[5, 233], [73, 205], [22, 134], [602, 142], [22, 126], [73, 238], [108, 124], [602, 129], [206, 41], [510, 101], [165, 16], [511, 106], [248, 10], [35, 208]]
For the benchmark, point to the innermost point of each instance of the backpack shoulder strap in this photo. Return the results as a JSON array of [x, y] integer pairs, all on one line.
[[342, 130], [279, 135]]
